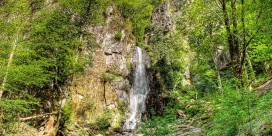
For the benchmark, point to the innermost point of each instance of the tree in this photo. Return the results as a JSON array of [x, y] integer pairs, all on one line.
[[242, 30], [17, 14]]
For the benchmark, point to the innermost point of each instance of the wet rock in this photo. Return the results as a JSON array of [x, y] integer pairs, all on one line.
[[146, 59]]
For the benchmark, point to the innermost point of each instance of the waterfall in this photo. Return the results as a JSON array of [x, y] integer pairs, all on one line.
[[138, 93]]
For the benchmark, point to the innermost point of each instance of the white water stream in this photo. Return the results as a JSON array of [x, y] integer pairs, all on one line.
[[138, 93]]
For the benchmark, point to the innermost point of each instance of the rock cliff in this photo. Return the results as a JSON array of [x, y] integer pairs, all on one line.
[[102, 91]]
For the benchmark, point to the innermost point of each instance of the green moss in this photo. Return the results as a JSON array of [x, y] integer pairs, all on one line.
[[109, 77], [82, 132], [116, 127], [122, 107], [128, 64]]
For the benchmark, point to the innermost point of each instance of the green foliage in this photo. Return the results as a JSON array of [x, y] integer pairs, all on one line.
[[91, 11], [66, 114], [239, 113], [47, 45], [103, 122], [36, 5], [107, 77], [82, 132], [55, 42], [167, 53], [122, 107], [11, 110], [46, 53], [160, 125], [118, 36], [139, 12]]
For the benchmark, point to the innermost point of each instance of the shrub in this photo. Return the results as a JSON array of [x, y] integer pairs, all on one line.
[[103, 122], [108, 77], [118, 36], [66, 114]]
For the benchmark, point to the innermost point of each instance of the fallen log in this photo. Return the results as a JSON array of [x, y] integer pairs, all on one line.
[[38, 116], [264, 88]]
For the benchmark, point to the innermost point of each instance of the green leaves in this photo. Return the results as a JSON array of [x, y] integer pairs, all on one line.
[[139, 12], [44, 58], [91, 11], [54, 40]]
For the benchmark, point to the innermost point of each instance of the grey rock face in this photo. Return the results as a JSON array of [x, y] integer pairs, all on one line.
[[115, 49], [162, 17], [105, 82]]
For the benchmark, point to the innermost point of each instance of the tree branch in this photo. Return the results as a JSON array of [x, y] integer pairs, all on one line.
[[38, 116]]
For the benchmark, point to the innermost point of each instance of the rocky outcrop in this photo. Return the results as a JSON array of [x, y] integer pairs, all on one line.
[[222, 58], [101, 90], [185, 130], [162, 17], [115, 40]]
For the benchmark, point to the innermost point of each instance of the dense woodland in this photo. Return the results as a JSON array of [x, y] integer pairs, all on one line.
[[213, 66]]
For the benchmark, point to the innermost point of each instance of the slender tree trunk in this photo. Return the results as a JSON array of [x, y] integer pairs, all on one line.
[[105, 99], [219, 82], [243, 55], [215, 60], [253, 77], [14, 45]]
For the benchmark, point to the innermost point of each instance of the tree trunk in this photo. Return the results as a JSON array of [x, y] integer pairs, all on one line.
[[219, 83], [253, 77], [105, 99], [233, 41], [15, 42], [234, 50]]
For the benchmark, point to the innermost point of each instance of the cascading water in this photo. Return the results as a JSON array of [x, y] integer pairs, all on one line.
[[138, 93]]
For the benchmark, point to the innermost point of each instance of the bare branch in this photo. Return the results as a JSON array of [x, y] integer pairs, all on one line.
[[38, 116]]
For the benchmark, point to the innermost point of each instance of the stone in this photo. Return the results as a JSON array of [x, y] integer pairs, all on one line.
[[181, 113]]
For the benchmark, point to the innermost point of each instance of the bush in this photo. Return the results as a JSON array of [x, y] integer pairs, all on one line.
[[108, 77], [118, 36], [11, 110], [160, 125], [122, 107], [103, 122], [240, 113], [66, 114]]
